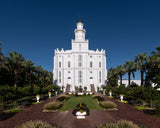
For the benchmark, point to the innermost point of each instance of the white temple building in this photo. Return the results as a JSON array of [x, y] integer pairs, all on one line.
[[80, 66]]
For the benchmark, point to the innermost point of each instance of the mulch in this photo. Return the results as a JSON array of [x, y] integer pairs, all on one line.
[[67, 120]]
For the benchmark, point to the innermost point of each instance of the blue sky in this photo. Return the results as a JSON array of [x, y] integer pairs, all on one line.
[[123, 28]]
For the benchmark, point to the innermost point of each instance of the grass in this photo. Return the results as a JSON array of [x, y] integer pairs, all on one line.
[[14, 110], [126, 102], [73, 101], [158, 115], [140, 107]]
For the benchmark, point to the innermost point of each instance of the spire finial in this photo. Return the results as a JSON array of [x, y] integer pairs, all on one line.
[[80, 20]]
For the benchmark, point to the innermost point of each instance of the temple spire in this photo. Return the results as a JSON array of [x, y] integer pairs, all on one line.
[[80, 20], [79, 31]]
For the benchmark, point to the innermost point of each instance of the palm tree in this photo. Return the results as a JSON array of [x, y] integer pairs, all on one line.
[[121, 71], [112, 75], [29, 68], [1, 56], [14, 63], [140, 61], [50, 78], [38, 70], [130, 68], [45, 74], [156, 57]]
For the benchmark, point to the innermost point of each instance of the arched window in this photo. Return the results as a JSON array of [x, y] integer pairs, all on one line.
[[59, 76], [99, 64], [91, 65], [80, 61], [99, 76], [80, 77], [69, 64], [79, 47], [59, 64]]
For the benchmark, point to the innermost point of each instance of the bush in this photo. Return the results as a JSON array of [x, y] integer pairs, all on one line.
[[15, 110], [82, 108], [119, 124], [53, 105], [27, 98], [44, 90], [126, 124], [27, 90], [7, 92], [36, 90], [107, 104], [99, 98], [62, 98], [157, 106], [37, 124]]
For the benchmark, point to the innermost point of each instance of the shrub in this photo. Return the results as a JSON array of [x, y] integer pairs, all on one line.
[[27, 90], [82, 108], [27, 98], [157, 106], [36, 90], [107, 104], [99, 98], [126, 124], [44, 90], [15, 110], [37, 124], [62, 98], [119, 124], [53, 105]]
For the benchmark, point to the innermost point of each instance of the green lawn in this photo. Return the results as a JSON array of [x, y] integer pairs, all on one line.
[[73, 101], [140, 107]]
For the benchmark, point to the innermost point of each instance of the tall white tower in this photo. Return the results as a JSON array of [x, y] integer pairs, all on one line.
[[80, 32], [80, 44]]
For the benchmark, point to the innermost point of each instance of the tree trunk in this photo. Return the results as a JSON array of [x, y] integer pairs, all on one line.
[[142, 78], [120, 79], [29, 78], [38, 79], [129, 78], [15, 79]]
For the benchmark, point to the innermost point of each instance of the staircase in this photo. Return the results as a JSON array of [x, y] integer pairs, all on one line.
[[68, 88], [92, 88]]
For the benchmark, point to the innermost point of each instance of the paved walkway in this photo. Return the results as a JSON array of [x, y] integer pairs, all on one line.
[[67, 120]]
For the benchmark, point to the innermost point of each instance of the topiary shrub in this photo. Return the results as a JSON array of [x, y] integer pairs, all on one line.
[[37, 124], [82, 108], [107, 104], [62, 98], [99, 98], [119, 124], [53, 105]]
